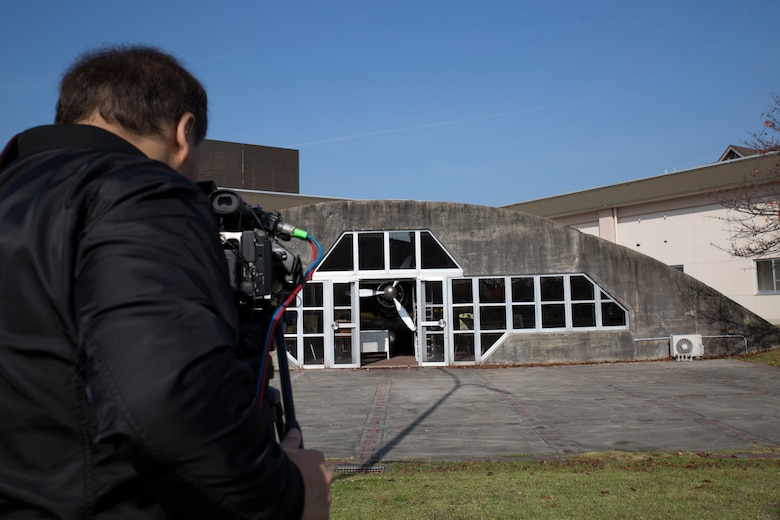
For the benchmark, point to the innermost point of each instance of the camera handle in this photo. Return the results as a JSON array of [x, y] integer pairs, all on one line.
[[285, 383]]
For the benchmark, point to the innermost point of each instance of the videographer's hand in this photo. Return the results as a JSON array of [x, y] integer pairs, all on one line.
[[316, 476]]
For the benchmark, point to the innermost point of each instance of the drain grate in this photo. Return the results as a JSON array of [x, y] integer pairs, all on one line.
[[358, 468]]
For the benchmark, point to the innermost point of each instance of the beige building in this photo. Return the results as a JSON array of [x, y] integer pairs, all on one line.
[[679, 219]]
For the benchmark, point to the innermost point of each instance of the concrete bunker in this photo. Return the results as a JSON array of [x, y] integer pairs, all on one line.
[[443, 284]]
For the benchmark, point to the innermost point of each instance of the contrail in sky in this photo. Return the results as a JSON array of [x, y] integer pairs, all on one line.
[[421, 126], [444, 123]]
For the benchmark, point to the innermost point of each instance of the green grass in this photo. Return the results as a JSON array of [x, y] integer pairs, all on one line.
[[610, 485], [767, 357], [605, 485]]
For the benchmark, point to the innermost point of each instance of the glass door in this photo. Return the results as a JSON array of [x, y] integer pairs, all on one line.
[[344, 326], [433, 344]]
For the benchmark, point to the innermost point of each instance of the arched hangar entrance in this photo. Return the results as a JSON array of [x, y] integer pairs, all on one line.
[[375, 295], [381, 295]]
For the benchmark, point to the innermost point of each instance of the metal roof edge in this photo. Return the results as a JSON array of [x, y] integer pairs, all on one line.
[[702, 179]]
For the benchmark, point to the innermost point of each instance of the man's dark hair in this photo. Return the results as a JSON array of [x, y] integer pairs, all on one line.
[[139, 88]]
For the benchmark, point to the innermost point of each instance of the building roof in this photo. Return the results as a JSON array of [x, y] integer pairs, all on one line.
[[276, 201], [737, 152], [697, 181]]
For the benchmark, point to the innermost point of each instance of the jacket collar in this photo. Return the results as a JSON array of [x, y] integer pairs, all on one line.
[[52, 137]]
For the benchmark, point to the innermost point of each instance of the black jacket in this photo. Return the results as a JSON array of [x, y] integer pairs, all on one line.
[[120, 394]]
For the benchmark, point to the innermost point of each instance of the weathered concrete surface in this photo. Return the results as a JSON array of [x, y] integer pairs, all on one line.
[[520, 349], [373, 416], [493, 241]]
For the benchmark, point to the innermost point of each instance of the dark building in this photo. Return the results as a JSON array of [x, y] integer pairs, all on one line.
[[250, 167]]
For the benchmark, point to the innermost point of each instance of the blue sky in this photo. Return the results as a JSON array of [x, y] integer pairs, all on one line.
[[483, 102]]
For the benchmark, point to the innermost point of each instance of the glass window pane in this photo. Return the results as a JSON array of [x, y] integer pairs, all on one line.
[[488, 340], [491, 290], [343, 315], [312, 295], [464, 347], [551, 288], [523, 317], [342, 343], [312, 322], [522, 289], [402, 250], [290, 322], [340, 256], [492, 318], [765, 275], [581, 288], [553, 316], [434, 347], [776, 269], [612, 315], [462, 291], [434, 293], [583, 314], [342, 294], [434, 313], [291, 344], [433, 256], [313, 350], [371, 251], [463, 318]]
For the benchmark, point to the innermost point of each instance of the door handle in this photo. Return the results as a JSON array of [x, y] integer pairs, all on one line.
[[440, 323], [338, 325]]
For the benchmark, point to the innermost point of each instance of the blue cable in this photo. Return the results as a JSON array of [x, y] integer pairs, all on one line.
[[282, 308]]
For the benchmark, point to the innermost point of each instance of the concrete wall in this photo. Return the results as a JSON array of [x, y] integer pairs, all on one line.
[[493, 241]]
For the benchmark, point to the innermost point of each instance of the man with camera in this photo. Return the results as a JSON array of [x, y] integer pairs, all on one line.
[[120, 392]]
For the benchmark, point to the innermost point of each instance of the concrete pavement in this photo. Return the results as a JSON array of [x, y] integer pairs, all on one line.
[[367, 417]]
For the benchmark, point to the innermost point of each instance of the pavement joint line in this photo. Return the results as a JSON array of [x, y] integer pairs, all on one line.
[[372, 436], [548, 434], [623, 407]]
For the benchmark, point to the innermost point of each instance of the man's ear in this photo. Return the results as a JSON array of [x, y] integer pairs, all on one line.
[[184, 140]]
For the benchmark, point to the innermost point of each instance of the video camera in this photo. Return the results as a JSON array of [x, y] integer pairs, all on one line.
[[263, 276], [259, 266]]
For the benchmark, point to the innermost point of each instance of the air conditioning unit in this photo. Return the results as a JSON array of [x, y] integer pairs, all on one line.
[[685, 347]]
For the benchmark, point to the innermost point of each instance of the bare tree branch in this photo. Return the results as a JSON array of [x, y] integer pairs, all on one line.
[[753, 215]]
